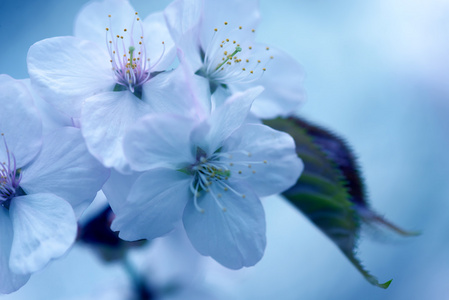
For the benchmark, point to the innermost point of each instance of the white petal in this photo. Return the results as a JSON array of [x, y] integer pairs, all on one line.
[[117, 187], [104, 121], [44, 228], [235, 12], [183, 17], [23, 138], [9, 281], [283, 83], [65, 167], [52, 119], [155, 32], [66, 70], [159, 141], [154, 205], [92, 20], [169, 92], [224, 120], [265, 157], [234, 237]]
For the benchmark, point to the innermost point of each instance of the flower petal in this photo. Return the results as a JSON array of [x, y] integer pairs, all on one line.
[[283, 83], [264, 158], [235, 12], [236, 237], [117, 188], [44, 228], [104, 121], [154, 205], [183, 17], [224, 120], [51, 118], [159, 141], [159, 45], [65, 167], [9, 281], [93, 18], [168, 92], [66, 70], [23, 138]]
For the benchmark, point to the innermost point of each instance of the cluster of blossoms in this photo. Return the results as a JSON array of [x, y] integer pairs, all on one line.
[[164, 115]]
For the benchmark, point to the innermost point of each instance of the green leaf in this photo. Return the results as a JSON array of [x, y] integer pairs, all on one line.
[[331, 192]]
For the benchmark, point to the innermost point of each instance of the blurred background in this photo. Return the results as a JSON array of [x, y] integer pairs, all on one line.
[[377, 73]]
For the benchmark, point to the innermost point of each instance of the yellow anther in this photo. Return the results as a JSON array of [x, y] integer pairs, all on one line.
[[221, 46], [225, 53], [250, 47], [110, 42], [107, 29], [240, 27], [264, 69], [253, 30], [136, 13], [258, 61], [138, 19], [109, 16], [225, 189], [264, 161], [271, 57], [240, 172], [226, 23], [215, 29], [227, 40], [268, 48], [251, 72], [163, 43], [243, 69], [234, 42], [125, 30]]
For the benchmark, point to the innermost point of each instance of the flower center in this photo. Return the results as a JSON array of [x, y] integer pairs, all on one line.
[[130, 63], [10, 178], [228, 60]]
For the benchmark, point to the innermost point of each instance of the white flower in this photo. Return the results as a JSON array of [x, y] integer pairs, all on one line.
[[218, 41], [109, 75], [45, 183], [210, 174]]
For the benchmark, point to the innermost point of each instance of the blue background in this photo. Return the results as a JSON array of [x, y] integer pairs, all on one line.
[[376, 73]]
